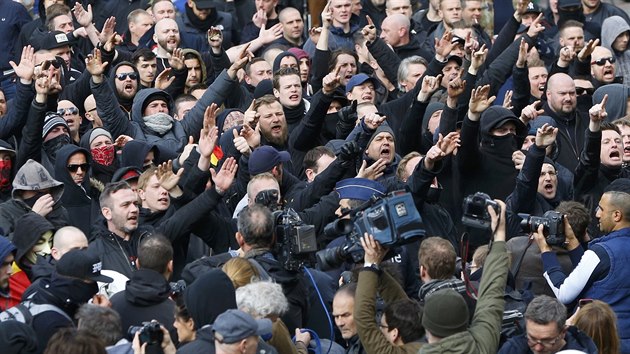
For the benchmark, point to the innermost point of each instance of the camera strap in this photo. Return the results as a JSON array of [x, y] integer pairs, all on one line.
[[464, 244], [517, 265]]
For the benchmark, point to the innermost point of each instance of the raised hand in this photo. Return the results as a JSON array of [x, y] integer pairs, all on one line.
[[260, 18], [167, 179], [26, 68], [269, 35], [374, 172], [210, 116], [449, 143], [598, 113], [44, 205], [208, 140], [162, 81], [478, 58], [94, 64], [479, 100], [84, 18], [566, 56], [369, 31], [519, 11], [374, 120], [327, 16], [244, 56], [331, 81], [314, 34], [522, 54], [444, 46], [456, 87], [224, 178], [250, 117], [374, 252], [122, 140], [240, 143], [531, 112], [588, 49], [215, 37], [176, 59], [518, 158], [429, 85], [546, 135], [536, 27], [108, 30], [507, 99]]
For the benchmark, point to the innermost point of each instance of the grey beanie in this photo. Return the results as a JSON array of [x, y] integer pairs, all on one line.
[[383, 128], [445, 313]]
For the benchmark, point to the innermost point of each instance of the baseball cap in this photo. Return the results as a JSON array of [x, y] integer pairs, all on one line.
[[359, 189], [569, 3], [49, 40], [532, 8], [82, 264], [233, 326], [264, 158], [359, 79], [204, 4]]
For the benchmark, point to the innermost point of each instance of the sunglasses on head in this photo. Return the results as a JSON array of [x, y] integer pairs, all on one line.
[[69, 110], [74, 168], [602, 61], [123, 76], [582, 90]]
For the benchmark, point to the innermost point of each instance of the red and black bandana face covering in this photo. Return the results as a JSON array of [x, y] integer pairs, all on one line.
[[5, 173], [103, 155]]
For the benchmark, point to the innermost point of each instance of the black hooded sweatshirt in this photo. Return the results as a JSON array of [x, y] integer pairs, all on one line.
[[206, 298], [28, 230]]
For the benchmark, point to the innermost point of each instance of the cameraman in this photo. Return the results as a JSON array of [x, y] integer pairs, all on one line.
[[400, 329], [536, 184]]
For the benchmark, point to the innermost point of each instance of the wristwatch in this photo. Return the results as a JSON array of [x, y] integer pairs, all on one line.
[[372, 266]]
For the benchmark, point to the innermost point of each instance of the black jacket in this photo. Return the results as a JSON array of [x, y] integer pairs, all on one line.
[[145, 298]]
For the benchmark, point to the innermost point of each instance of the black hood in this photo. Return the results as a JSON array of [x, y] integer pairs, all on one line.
[[135, 151], [146, 288], [28, 230], [208, 296], [491, 117], [73, 194], [276, 62]]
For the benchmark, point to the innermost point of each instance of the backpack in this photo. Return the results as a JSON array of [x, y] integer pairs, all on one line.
[[25, 312]]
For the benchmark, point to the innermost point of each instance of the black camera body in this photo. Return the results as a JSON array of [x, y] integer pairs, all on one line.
[[553, 226], [475, 209], [392, 220], [150, 333], [296, 242]]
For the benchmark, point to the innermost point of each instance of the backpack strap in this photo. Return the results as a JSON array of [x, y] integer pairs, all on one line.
[[36, 309], [261, 271]]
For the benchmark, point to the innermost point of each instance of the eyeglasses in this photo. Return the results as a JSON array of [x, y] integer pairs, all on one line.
[[582, 90], [123, 76], [74, 168], [602, 61], [70, 110], [544, 342]]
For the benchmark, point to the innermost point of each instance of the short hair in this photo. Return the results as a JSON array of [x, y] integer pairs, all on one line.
[[599, 322], [624, 121], [544, 309], [145, 53], [282, 72], [621, 201], [402, 165], [248, 66], [403, 68], [441, 1], [349, 289], [406, 316], [260, 176], [255, 224], [570, 23], [133, 15], [463, 2], [438, 256], [578, 216], [158, 1], [480, 255], [461, 24], [104, 199], [261, 299], [103, 322], [314, 154], [536, 63], [199, 86], [265, 100], [334, 56], [184, 97], [71, 340], [144, 178], [241, 271], [610, 126], [155, 253], [54, 11]]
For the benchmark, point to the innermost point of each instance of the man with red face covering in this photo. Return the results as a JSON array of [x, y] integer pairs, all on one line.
[[100, 144]]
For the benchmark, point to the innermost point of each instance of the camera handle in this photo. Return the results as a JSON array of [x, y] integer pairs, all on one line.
[[318, 348]]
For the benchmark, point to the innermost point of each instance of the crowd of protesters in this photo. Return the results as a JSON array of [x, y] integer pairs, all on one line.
[[209, 176]]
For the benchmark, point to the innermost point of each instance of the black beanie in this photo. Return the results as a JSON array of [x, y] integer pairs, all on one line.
[[619, 185], [445, 313]]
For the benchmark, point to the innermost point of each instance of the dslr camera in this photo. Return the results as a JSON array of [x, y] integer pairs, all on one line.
[[392, 220], [296, 242], [150, 333], [475, 209], [553, 226]]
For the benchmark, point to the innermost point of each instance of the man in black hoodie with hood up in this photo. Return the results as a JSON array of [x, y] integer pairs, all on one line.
[[146, 296], [206, 298]]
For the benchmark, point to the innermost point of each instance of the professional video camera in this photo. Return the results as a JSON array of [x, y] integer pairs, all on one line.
[[150, 333], [296, 242], [475, 209], [553, 226], [392, 220]]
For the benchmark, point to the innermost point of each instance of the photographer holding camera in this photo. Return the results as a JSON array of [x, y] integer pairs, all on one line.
[[601, 272], [400, 329]]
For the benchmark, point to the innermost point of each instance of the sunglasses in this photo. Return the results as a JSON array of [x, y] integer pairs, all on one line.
[[74, 168], [55, 63], [584, 90], [70, 110], [602, 61], [123, 76]]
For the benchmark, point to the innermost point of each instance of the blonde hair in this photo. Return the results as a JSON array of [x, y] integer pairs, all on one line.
[[240, 271], [599, 322]]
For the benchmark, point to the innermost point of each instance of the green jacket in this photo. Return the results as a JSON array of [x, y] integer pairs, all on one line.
[[483, 334], [373, 341]]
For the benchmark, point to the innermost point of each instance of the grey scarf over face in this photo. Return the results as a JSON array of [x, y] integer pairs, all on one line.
[[160, 123]]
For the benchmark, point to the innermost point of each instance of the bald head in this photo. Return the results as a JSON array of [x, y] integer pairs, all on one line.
[[561, 94], [66, 239], [166, 36], [288, 12], [395, 30], [602, 67]]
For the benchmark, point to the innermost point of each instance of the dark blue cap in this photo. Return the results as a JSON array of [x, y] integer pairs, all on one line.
[[539, 122], [264, 158], [233, 326], [359, 79], [359, 189], [6, 248]]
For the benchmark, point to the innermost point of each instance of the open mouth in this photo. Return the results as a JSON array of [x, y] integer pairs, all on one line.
[[367, 97], [385, 152], [609, 72], [626, 150], [615, 154], [133, 218], [294, 97], [276, 129], [548, 187], [541, 87], [128, 87], [163, 200]]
